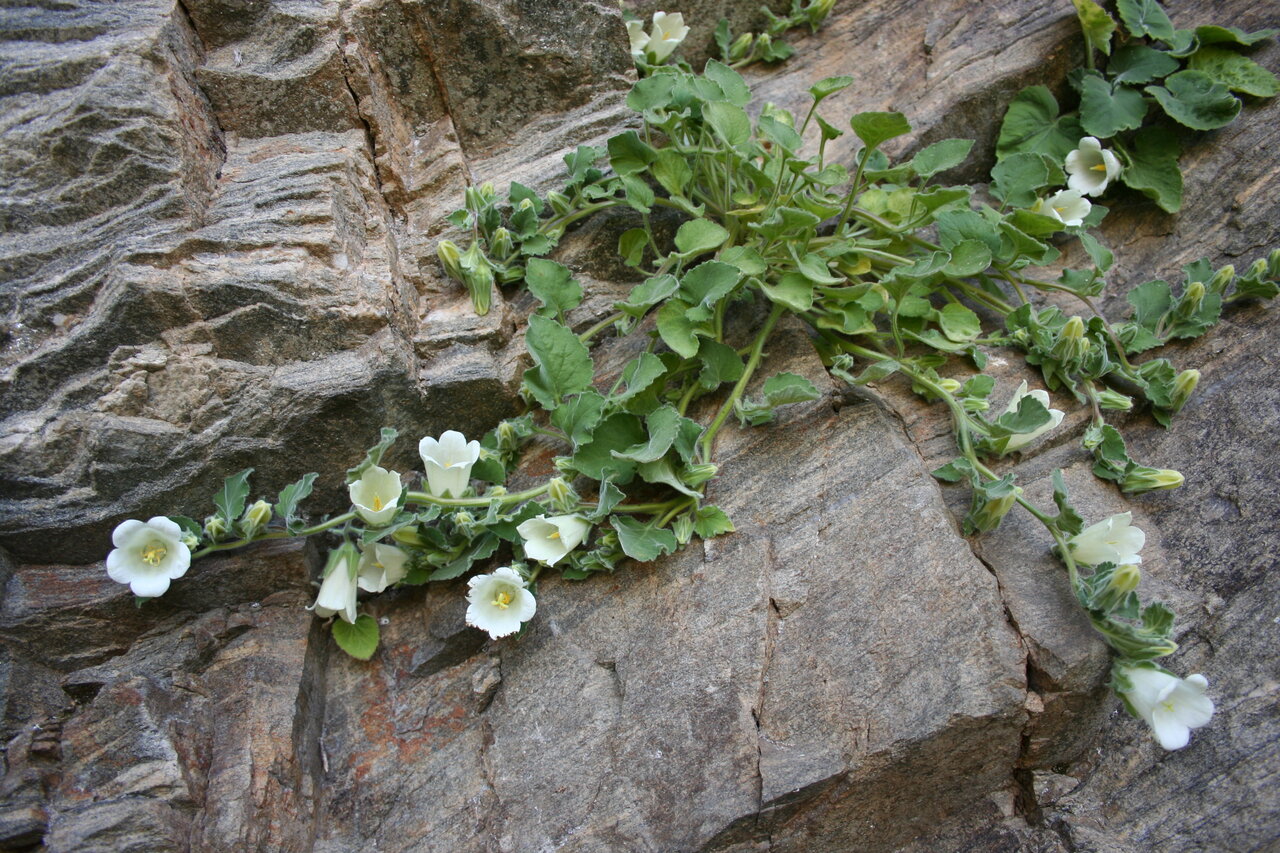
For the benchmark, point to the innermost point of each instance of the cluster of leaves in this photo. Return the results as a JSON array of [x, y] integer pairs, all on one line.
[[768, 46], [1153, 80]]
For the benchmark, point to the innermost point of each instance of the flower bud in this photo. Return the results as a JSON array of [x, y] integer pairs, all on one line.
[[1223, 277], [1191, 299], [696, 475], [818, 10], [525, 204], [992, 511], [564, 464], [409, 536], [501, 244], [683, 528], [1114, 401], [1143, 479], [190, 540], [214, 528], [255, 518], [741, 46], [473, 200], [1273, 263], [1071, 344], [559, 202], [562, 494], [1184, 384], [1123, 581], [974, 405], [450, 258], [496, 492], [465, 522], [951, 386], [508, 438], [608, 541], [487, 192]]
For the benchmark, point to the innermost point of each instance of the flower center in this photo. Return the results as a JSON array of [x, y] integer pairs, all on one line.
[[1101, 167], [555, 534], [1167, 705], [502, 600], [154, 552], [1060, 209], [377, 503]]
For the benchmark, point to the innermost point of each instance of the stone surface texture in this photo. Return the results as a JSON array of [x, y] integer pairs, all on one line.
[[218, 224]]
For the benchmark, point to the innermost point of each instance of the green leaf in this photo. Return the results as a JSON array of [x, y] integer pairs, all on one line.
[[577, 417], [1016, 177], [230, 499], [651, 93], [553, 285], [639, 194], [628, 153], [1101, 256], [708, 282], [730, 82], [1238, 73], [519, 192], [631, 246], [1145, 18], [829, 86], [955, 471], [640, 541], [876, 128], [563, 364], [729, 122], [638, 374], [610, 496], [373, 455], [290, 496], [676, 329], [360, 640], [957, 226], [1068, 520], [968, 257], [793, 290], [1153, 168], [1096, 24], [1231, 35], [700, 235], [711, 521], [1107, 110], [662, 425], [671, 170], [192, 527], [745, 258], [649, 293], [958, 323], [1196, 100], [481, 549], [660, 471], [1032, 123], [783, 388], [720, 364], [1137, 63], [941, 156], [782, 134], [1150, 301]]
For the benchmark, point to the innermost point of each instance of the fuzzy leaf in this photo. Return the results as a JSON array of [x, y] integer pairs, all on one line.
[[641, 542], [1145, 18], [360, 640], [876, 128], [563, 366], [289, 498], [1238, 73], [1153, 168], [553, 285], [1195, 99], [1032, 123], [1096, 24]]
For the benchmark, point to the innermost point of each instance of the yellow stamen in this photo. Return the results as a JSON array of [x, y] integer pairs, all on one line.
[[1101, 167], [154, 553], [377, 503], [502, 600], [1060, 209], [555, 534]]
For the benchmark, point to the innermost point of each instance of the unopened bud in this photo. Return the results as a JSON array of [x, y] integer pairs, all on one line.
[[975, 404], [1114, 401], [1184, 384], [473, 200], [608, 541], [496, 492], [450, 258], [255, 518], [562, 494], [408, 536], [508, 438], [991, 512], [951, 386], [191, 540], [559, 202], [1273, 263], [1123, 581], [696, 475], [1222, 278], [525, 204], [1071, 344], [487, 192], [564, 464], [214, 528], [741, 46], [1143, 479], [683, 528], [501, 244], [1192, 298]]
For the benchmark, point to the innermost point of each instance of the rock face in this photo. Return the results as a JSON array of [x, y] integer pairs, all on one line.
[[219, 220]]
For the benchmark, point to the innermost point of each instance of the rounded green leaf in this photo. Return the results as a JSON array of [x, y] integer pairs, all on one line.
[[829, 86], [700, 235], [1106, 110], [1238, 73], [876, 128], [1195, 99], [360, 640]]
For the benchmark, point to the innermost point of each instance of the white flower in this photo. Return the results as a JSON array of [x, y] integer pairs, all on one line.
[[1091, 167], [448, 463], [549, 539], [639, 39], [667, 33], [1069, 207], [376, 495], [148, 555], [499, 602], [1020, 440], [338, 589], [1112, 540], [1172, 706], [381, 566]]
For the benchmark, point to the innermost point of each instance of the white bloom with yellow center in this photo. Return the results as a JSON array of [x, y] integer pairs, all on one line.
[[448, 463], [499, 602], [381, 566], [1172, 706], [1091, 167], [1069, 207], [148, 555], [376, 495], [549, 539], [667, 33], [338, 589], [1020, 440], [1112, 540], [639, 38]]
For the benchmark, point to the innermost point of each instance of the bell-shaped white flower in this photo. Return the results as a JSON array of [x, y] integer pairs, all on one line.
[[376, 495], [667, 33], [1069, 207], [1090, 168], [1172, 706], [381, 566], [499, 602], [1112, 540], [448, 463], [148, 555], [639, 38], [549, 539], [1021, 440], [338, 589]]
